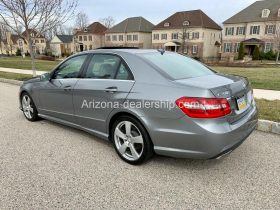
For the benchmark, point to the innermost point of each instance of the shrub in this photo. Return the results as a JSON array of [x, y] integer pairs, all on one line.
[[241, 53], [256, 53], [27, 53], [18, 52], [268, 55], [46, 58]]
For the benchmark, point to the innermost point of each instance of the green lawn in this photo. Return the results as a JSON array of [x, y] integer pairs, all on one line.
[[260, 78], [20, 63], [269, 110], [14, 76]]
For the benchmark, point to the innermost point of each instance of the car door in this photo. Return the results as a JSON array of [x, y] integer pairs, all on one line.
[[107, 82], [56, 95]]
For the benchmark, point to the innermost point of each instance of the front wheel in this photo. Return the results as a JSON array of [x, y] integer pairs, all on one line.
[[131, 140], [28, 107]]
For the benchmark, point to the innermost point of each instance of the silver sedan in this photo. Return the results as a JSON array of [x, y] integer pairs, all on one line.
[[145, 102]]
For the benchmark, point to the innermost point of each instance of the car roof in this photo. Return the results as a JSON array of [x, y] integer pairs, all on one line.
[[131, 51]]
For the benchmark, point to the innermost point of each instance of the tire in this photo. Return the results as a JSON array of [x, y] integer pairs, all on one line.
[[131, 140], [28, 108]]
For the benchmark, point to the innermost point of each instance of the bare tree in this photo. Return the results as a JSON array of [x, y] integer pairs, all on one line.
[[277, 40], [82, 20], [35, 15], [3, 31], [108, 22]]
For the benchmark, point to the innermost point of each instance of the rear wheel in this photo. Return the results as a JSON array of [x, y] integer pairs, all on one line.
[[131, 140], [28, 107]]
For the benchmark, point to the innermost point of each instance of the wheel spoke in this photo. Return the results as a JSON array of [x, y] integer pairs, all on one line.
[[127, 128], [24, 101], [134, 152], [119, 133], [31, 109], [137, 140], [122, 149], [28, 101]]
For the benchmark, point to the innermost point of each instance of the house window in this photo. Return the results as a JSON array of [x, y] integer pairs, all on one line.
[[89, 38], [229, 31], [265, 13], [80, 38], [20, 42], [115, 38], [186, 23], [135, 37], [270, 29], [85, 46], [85, 38], [236, 47], [42, 41], [194, 49], [227, 47], [108, 38], [129, 37], [120, 38], [85, 30], [240, 30], [268, 47], [90, 47], [163, 36], [195, 35], [255, 30], [166, 24], [36, 41], [175, 36], [156, 36]]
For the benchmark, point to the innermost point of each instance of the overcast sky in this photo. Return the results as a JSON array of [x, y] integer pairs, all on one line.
[[157, 10]]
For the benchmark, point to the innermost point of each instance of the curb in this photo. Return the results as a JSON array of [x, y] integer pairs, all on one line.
[[11, 81], [268, 126], [263, 125]]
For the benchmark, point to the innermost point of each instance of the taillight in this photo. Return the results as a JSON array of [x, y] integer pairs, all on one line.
[[204, 107]]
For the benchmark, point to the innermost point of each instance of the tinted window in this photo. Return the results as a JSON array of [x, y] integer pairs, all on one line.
[[103, 67], [70, 68], [177, 66]]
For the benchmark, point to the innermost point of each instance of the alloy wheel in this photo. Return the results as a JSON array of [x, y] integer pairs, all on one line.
[[27, 107]]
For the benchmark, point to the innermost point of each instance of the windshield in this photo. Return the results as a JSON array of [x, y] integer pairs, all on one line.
[[177, 66]]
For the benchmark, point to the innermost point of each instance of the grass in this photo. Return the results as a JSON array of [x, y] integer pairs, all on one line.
[[260, 78], [20, 63], [20, 77], [269, 110]]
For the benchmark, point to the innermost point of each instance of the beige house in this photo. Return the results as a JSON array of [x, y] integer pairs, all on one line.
[[132, 32], [62, 45], [190, 32], [257, 25], [89, 38], [14, 42]]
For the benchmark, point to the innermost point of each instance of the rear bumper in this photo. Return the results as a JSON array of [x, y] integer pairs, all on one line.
[[202, 139]]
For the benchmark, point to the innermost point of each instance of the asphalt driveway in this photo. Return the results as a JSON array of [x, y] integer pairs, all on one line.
[[44, 165]]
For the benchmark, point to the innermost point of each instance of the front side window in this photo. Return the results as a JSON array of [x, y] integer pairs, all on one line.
[[85, 38], [89, 38], [268, 47], [195, 35], [227, 47], [135, 37], [70, 68], [177, 66], [114, 38], [270, 29], [240, 30], [104, 66], [108, 38], [120, 38], [194, 49], [229, 31], [236, 47], [129, 38], [163, 36], [156, 36]]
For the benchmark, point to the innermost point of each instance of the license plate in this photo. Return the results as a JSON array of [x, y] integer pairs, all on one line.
[[242, 103]]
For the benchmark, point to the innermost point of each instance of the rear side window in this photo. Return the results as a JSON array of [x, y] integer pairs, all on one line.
[[177, 66], [104, 66]]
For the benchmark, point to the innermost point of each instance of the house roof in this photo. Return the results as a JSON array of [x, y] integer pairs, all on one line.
[[94, 28], [196, 18], [65, 38], [15, 38], [36, 34], [253, 41], [133, 24], [253, 13]]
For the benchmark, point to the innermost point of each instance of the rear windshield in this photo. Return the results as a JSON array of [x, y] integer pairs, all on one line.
[[177, 66]]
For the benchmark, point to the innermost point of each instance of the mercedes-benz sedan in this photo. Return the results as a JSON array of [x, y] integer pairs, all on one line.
[[145, 102]]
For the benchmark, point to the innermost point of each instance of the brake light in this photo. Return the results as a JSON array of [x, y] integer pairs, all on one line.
[[204, 107]]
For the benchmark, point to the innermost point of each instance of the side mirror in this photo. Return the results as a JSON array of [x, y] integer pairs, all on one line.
[[45, 77]]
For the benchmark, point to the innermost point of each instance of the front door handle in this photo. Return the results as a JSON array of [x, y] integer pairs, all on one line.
[[111, 89]]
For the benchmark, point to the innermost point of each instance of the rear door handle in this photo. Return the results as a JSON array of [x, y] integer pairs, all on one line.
[[67, 88], [111, 89]]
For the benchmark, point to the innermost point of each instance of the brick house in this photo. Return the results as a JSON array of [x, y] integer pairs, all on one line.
[[256, 25], [89, 38], [189, 32]]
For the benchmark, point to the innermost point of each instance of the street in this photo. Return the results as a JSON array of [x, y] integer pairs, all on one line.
[[44, 165]]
